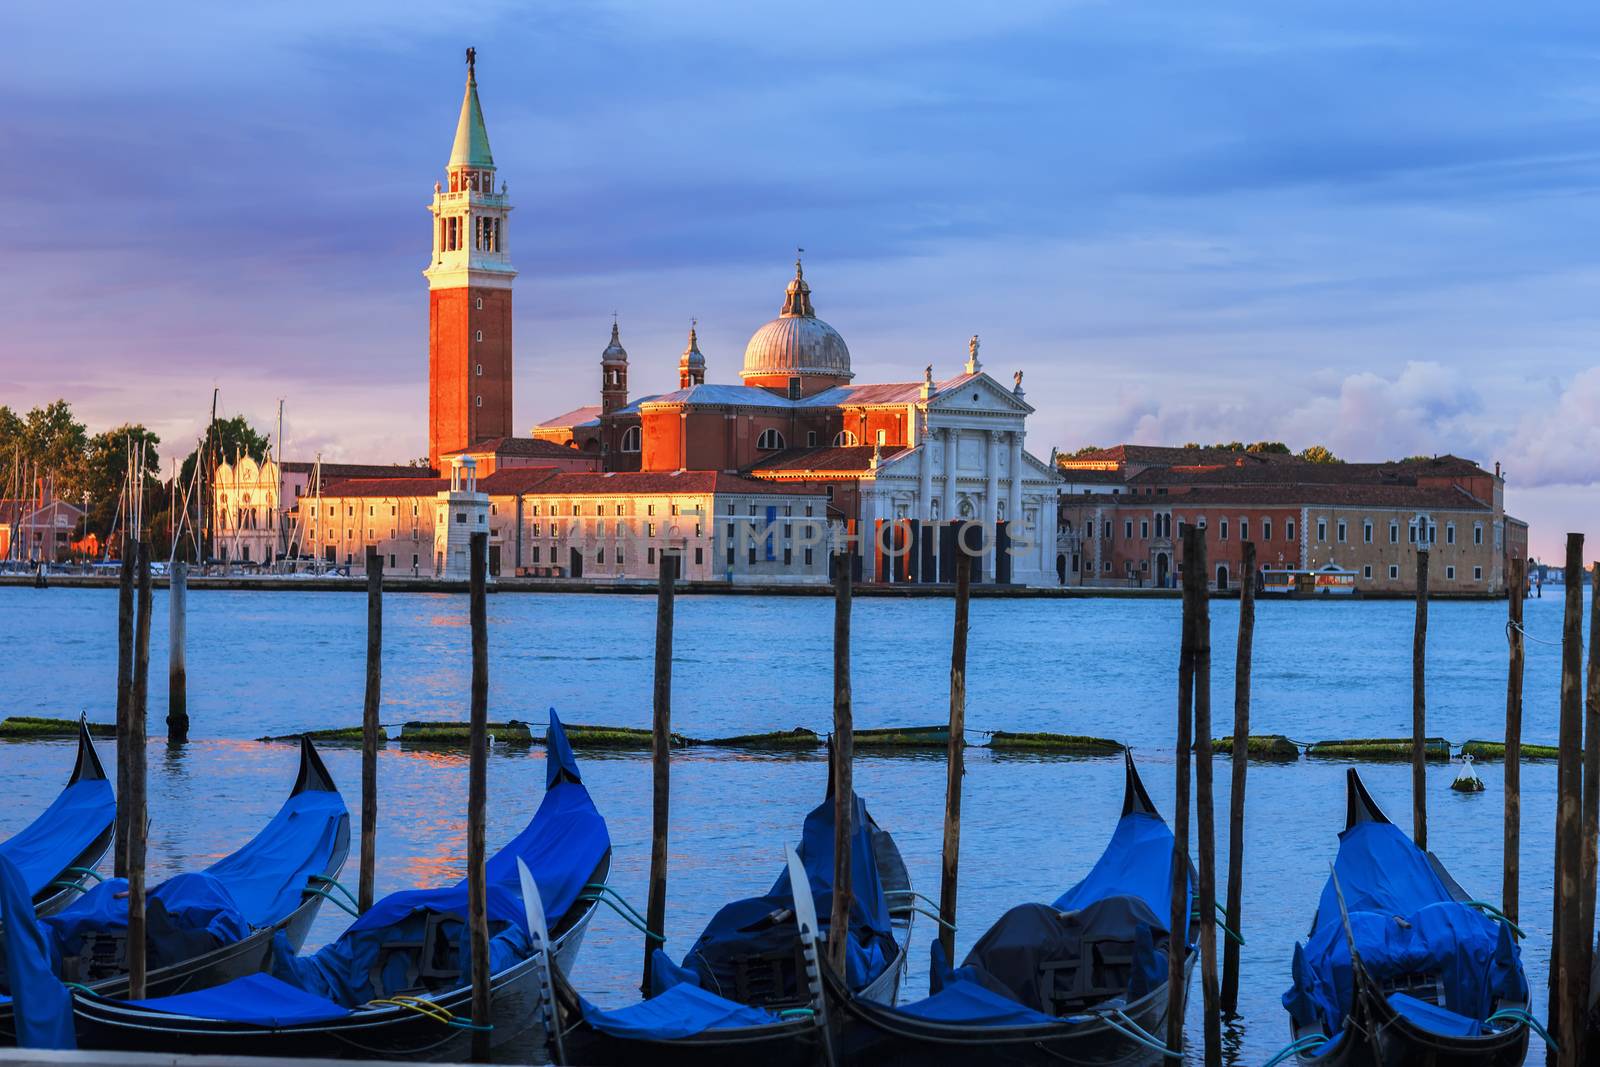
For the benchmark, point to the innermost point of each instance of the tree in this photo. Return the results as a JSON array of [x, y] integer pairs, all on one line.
[[1319, 454], [1084, 451], [104, 471], [225, 441], [1276, 448]]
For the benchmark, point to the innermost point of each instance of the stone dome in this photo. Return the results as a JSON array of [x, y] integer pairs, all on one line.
[[796, 343], [614, 352]]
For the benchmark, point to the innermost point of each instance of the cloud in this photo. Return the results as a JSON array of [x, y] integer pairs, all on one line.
[[1559, 443]]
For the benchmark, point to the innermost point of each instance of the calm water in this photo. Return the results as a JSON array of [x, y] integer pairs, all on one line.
[[273, 663]]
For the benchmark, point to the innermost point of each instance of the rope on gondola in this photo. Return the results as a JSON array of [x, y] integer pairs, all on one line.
[[340, 886], [602, 894], [1125, 1026], [1521, 1015], [1194, 917], [437, 1012], [85, 872], [1496, 913], [325, 895], [76, 886], [1309, 1043], [935, 916]]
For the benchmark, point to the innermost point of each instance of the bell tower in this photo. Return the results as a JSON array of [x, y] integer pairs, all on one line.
[[469, 292]]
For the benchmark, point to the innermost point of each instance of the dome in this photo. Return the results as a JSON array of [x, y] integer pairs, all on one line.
[[796, 343], [692, 356], [614, 352]]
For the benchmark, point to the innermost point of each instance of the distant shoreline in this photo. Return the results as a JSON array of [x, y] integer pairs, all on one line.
[[400, 584]]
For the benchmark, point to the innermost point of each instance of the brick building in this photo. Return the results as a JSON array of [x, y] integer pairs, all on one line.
[[1366, 520]]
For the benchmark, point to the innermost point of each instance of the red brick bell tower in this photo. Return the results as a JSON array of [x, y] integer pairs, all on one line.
[[469, 293]]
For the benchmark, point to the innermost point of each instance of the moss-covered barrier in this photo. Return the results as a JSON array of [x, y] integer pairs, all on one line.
[[344, 735], [620, 737], [798, 738], [1496, 750], [36, 726], [459, 734], [928, 737], [1066, 744], [1379, 748], [1259, 746]]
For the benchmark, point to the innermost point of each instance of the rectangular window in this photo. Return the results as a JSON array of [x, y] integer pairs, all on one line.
[[1106, 532], [1449, 533], [535, 553], [1288, 529], [1477, 574], [1477, 533], [600, 555], [811, 439], [1144, 527], [1341, 531], [1450, 574], [650, 555], [1322, 531], [808, 556], [1394, 532], [1366, 532], [1244, 528], [1266, 529], [1366, 572], [461, 516], [1411, 533], [1127, 529], [1222, 529], [1394, 571]]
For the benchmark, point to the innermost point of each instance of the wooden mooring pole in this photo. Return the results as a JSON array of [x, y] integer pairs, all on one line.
[[1591, 806], [124, 697], [955, 758], [1511, 875], [1419, 705], [843, 754], [1194, 571], [1205, 816], [1229, 1001], [369, 732], [138, 818], [177, 640], [1566, 1014], [660, 761], [478, 800]]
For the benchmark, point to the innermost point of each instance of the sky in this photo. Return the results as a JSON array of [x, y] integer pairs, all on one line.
[[1362, 224]]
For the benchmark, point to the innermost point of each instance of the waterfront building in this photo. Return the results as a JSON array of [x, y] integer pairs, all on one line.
[[545, 522], [1368, 519], [38, 529]]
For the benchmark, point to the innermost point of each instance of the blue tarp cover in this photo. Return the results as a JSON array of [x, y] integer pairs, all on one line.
[[47, 846], [1404, 922], [561, 845], [765, 924], [42, 1007], [1137, 862], [259, 999], [1434, 1018], [255, 887], [967, 1002], [682, 1011]]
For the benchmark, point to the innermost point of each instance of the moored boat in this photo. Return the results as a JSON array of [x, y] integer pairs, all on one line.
[[220, 923], [1082, 980], [1402, 966], [396, 984], [56, 853]]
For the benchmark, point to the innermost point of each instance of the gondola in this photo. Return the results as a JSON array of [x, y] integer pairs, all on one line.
[[1082, 980], [1401, 965], [218, 924], [746, 992], [395, 984], [56, 854]]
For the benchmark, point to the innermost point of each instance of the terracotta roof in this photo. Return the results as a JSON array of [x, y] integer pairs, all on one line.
[[1309, 473], [1171, 456], [381, 487], [361, 470], [845, 459], [575, 417], [616, 483], [1295, 496], [514, 446]]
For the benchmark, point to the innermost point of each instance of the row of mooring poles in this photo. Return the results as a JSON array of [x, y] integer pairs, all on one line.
[[1572, 930], [1229, 999], [133, 689]]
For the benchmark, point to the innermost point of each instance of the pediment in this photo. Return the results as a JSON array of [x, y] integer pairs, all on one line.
[[978, 393]]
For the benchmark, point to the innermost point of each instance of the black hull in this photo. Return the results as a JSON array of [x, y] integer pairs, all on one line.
[[867, 1033], [388, 1033], [784, 1045], [1382, 1037], [59, 895]]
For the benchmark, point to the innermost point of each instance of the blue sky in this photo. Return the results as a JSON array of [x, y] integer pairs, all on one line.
[[1369, 225]]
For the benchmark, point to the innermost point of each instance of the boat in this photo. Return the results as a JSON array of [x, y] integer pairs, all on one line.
[[746, 992], [56, 853], [1082, 980], [395, 984], [1402, 965], [210, 926]]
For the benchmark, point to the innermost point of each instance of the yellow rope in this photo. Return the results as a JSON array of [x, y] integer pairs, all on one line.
[[418, 1005]]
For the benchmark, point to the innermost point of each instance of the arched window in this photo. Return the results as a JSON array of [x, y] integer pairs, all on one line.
[[630, 439], [770, 440], [845, 439]]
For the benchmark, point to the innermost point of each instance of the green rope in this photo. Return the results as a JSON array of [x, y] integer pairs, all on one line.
[[340, 886], [628, 916], [1522, 1016], [936, 917], [87, 872], [1305, 1044], [325, 895], [602, 889], [77, 886], [1132, 1030], [1490, 909]]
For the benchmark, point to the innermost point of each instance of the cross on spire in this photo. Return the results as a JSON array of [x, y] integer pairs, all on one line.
[[472, 62]]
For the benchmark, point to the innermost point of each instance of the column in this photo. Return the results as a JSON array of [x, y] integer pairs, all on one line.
[[1014, 494], [991, 495], [952, 447], [925, 474]]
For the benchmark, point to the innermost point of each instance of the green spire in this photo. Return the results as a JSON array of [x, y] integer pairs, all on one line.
[[471, 148]]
